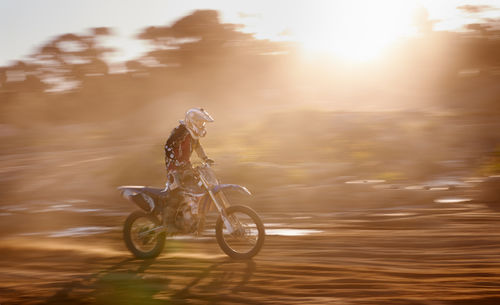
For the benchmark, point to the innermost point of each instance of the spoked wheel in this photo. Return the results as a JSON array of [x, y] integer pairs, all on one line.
[[139, 237], [248, 234]]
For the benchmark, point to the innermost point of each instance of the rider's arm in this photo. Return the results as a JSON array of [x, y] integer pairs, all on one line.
[[201, 152]]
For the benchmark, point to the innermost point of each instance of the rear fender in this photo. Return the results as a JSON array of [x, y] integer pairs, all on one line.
[[137, 196]]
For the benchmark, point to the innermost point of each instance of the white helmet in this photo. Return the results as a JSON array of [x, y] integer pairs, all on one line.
[[195, 121]]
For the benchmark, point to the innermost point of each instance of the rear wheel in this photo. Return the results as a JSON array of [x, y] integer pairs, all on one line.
[[139, 238], [247, 236]]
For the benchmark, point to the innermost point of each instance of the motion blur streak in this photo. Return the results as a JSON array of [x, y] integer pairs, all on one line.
[[370, 140]]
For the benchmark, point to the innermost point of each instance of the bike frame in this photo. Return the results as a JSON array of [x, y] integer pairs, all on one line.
[[211, 194]]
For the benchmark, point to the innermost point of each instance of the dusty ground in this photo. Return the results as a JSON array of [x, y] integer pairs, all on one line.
[[62, 244], [426, 254]]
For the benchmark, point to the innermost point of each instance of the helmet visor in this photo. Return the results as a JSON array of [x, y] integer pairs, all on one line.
[[200, 124]]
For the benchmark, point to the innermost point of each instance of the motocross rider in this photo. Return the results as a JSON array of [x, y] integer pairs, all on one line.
[[180, 144]]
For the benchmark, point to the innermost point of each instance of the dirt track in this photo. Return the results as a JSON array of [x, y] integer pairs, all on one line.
[[441, 254]]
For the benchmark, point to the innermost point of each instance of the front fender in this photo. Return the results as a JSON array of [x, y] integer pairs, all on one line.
[[206, 200], [235, 187]]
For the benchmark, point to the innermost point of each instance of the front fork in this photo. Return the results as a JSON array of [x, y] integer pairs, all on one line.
[[220, 205]]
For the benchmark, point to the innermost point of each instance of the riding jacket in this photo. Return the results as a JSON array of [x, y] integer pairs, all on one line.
[[178, 149]]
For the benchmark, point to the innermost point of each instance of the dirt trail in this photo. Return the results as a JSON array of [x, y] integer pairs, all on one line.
[[423, 255]]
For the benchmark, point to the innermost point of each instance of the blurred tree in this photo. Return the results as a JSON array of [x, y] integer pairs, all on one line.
[[135, 66], [474, 9], [422, 22], [481, 28], [70, 58], [21, 76], [200, 39], [482, 47]]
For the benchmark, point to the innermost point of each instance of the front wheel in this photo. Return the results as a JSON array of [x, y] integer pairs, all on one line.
[[139, 236], [247, 236]]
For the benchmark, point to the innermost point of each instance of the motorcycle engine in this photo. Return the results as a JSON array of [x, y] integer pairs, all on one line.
[[186, 218]]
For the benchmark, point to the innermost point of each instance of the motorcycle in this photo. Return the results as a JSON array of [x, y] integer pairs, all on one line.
[[239, 231]]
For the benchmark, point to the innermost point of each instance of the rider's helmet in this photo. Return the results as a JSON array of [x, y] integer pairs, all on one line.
[[195, 121]]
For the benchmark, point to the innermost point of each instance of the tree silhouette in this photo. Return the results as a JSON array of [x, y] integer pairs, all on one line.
[[71, 57], [422, 22], [200, 39], [21, 76], [200, 56], [473, 9]]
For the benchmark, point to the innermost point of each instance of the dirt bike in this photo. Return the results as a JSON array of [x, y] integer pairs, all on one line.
[[239, 231]]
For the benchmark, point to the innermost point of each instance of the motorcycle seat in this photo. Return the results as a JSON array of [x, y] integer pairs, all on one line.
[[153, 192]]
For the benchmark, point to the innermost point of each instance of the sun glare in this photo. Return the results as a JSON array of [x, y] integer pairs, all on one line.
[[356, 30]]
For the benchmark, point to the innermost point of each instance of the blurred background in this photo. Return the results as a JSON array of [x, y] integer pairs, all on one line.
[[368, 132], [309, 100]]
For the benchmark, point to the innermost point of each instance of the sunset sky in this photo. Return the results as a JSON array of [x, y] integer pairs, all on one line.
[[353, 30]]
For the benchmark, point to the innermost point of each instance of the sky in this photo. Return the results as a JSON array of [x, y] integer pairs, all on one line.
[[321, 25]]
